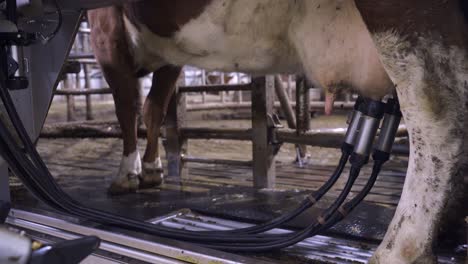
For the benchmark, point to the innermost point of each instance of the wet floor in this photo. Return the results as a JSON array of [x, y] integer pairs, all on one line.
[[84, 168]]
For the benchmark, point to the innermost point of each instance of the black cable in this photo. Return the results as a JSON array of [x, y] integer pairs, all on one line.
[[298, 236], [35, 174], [328, 218], [37, 159], [307, 203], [66, 200]]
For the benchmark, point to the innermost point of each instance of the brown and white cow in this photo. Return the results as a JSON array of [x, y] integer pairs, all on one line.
[[418, 46]]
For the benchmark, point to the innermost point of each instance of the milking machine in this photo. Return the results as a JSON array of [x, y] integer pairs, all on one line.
[[19, 152]]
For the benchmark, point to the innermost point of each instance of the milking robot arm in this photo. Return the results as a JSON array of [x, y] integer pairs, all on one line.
[[30, 64]]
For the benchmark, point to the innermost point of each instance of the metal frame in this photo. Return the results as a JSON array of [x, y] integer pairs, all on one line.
[[150, 250], [5, 199], [33, 103]]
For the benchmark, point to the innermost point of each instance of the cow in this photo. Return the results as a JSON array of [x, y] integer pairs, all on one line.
[[418, 47]]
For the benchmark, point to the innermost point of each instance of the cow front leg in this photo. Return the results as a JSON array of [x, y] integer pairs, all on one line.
[[113, 54], [126, 99], [154, 110]]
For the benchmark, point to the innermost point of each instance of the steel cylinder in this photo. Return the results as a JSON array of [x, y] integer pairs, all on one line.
[[351, 134], [368, 127], [388, 133]]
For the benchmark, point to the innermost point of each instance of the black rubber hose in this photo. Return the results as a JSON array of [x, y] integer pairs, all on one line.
[[298, 236], [306, 204], [64, 199], [66, 202], [265, 227], [349, 206], [61, 200]]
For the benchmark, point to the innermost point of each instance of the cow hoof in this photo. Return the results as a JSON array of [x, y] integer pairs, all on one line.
[[151, 177], [124, 185]]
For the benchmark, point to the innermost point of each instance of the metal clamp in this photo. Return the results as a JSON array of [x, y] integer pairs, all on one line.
[[274, 123]]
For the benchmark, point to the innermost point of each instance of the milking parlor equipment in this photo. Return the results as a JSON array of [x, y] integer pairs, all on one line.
[[35, 38]]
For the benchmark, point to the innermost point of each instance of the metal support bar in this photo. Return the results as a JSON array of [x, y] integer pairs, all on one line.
[[215, 88], [263, 97], [285, 102], [325, 139], [246, 105], [302, 110], [86, 91], [161, 249], [240, 163], [216, 133], [175, 143]]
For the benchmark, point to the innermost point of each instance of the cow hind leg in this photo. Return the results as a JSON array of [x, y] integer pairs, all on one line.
[[112, 53], [431, 81], [154, 110]]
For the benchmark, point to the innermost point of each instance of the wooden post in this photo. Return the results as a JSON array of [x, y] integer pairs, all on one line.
[[175, 144], [302, 110], [70, 101], [240, 95], [223, 93], [263, 97], [89, 107], [203, 80]]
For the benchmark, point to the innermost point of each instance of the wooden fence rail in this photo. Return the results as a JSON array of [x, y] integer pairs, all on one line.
[[265, 134]]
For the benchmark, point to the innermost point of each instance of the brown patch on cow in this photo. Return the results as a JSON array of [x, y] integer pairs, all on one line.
[[434, 102], [416, 22], [164, 17], [409, 249], [112, 51], [410, 18], [108, 36], [435, 86]]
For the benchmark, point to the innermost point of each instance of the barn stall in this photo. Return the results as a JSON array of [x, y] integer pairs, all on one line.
[[237, 150]]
